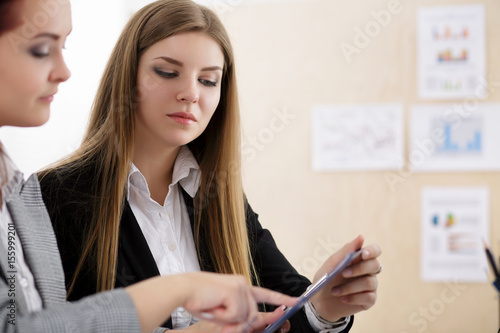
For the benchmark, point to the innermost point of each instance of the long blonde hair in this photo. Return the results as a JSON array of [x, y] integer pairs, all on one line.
[[109, 140]]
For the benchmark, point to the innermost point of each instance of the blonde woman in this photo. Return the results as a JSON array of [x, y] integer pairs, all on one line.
[[156, 189], [32, 290]]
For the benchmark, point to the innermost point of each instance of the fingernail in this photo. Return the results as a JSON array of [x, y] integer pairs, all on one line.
[[283, 307], [345, 299], [366, 254], [207, 315], [336, 291], [347, 272]]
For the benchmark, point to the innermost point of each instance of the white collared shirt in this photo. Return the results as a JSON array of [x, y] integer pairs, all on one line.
[[166, 227], [17, 267]]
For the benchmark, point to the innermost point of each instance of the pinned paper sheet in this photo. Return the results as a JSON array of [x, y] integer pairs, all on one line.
[[451, 52], [454, 222], [454, 137], [357, 137]]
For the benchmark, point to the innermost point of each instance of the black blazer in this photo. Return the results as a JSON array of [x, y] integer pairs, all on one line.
[[69, 214]]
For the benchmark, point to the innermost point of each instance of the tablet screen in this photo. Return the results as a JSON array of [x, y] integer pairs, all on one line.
[[311, 291]]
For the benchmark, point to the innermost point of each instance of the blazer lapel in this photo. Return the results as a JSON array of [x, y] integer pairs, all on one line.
[[136, 261], [203, 252], [38, 241]]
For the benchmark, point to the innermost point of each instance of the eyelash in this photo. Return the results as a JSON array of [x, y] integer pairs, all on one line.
[[42, 51], [39, 54], [168, 75]]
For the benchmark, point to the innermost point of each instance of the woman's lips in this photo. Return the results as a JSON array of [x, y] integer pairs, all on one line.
[[183, 118], [48, 98]]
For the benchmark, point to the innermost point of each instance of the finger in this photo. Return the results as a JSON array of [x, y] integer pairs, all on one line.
[[366, 283], [362, 268], [236, 309], [268, 318], [238, 327], [250, 324], [223, 316], [286, 327], [364, 300], [276, 314], [262, 295], [283, 328], [372, 251]]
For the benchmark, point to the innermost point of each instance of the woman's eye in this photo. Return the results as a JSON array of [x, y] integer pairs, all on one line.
[[40, 51], [208, 83], [164, 74]]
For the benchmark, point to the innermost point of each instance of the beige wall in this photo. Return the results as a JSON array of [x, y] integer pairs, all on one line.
[[289, 59]]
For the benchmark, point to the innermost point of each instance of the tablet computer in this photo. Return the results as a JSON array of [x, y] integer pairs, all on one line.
[[306, 296]]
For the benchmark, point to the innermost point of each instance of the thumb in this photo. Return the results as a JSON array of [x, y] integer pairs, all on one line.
[[336, 258], [354, 245]]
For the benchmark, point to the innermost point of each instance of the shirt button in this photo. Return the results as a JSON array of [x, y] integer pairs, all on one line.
[[172, 247], [24, 282], [185, 314]]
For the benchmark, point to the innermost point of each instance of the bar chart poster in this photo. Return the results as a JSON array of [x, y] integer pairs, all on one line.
[[455, 137], [454, 223], [357, 137], [451, 52]]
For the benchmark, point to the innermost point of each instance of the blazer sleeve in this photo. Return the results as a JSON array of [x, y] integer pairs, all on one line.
[[275, 272], [108, 312]]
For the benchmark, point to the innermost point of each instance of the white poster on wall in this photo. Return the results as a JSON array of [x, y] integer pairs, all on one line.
[[451, 52], [357, 137], [454, 223], [454, 137]]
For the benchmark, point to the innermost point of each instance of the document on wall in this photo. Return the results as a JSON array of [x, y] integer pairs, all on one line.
[[357, 137], [454, 223], [454, 137], [451, 52]]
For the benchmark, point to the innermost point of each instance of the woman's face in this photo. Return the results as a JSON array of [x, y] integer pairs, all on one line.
[[31, 63], [179, 81]]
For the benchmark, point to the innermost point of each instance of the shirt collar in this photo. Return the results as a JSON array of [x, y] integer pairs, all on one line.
[[14, 176], [186, 172]]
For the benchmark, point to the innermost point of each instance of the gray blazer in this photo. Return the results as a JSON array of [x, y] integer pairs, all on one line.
[[106, 312]]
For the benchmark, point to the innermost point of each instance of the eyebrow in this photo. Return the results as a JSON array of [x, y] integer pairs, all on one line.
[[180, 64], [50, 35], [47, 34]]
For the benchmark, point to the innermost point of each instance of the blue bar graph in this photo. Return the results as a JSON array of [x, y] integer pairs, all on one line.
[[450, 146]]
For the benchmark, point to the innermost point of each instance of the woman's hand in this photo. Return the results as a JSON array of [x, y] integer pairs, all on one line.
[[229, 301], [355, 289], [226, 300]]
